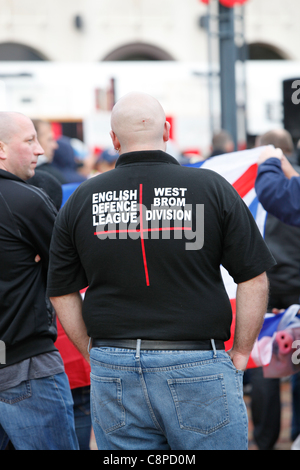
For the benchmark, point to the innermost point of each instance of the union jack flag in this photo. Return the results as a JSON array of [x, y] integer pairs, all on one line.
[[240, 170]]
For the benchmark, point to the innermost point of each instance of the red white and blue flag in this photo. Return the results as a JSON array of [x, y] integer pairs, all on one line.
[[240, 170], [276, 347]]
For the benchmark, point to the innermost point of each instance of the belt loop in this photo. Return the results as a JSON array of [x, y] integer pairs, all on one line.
[[138, 349], [89, 346], [214, 348]]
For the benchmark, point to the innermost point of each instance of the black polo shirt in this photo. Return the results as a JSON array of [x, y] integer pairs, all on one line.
[[148, 238]]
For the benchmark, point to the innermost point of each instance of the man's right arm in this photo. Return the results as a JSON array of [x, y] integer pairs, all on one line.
[[251, 307], [69, 311], [39, 223]]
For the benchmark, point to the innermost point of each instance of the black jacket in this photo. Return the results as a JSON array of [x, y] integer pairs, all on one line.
[[27, 216], [283, 240], [284, 244]]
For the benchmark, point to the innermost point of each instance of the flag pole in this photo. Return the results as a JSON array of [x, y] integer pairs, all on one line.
[[228, 56], [227, 71]]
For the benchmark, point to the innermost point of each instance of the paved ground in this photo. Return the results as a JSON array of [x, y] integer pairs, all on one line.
[[284, 442]]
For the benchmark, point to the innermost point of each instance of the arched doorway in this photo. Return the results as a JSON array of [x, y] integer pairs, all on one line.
[[12, 51], [138, 51], [262, 51]]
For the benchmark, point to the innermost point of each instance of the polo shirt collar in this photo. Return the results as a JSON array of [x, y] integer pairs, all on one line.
[[10, 176], [146, 156]]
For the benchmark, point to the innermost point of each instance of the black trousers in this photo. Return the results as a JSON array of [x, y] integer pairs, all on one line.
[[265, 403]]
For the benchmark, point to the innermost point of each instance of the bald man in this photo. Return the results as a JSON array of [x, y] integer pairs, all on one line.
[[156, 314], [139, 123], [36, 408]]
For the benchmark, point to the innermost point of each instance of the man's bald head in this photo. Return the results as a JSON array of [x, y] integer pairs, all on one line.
[[280, 138], [9, 125], [19, 147], [139, 123]]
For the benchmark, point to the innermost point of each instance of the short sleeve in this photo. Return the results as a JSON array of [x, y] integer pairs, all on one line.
[[245, 253], [66, 274]]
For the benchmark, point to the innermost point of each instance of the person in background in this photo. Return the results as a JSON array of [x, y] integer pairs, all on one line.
[[279, 138], [49, 145], [106, 161], [284, 244], [84, 157], [78, 372], [222, 142], [283, 240], [36, 405], [278, 190], [49, 184], [76, 368], [64, 161]]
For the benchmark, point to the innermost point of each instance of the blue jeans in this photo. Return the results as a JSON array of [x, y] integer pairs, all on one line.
[[82, 414], [167, 400], [38, 415]]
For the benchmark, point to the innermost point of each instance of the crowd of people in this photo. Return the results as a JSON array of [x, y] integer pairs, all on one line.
[[74, 367]]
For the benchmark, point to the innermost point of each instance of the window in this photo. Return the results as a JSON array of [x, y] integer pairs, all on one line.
[[138, 52], [19, 52], [260, 51]]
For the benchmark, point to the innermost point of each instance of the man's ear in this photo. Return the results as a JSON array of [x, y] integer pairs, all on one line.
[[115, 140], [167, 131], [2, 151]]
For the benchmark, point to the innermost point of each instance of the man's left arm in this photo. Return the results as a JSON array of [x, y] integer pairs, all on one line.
[[69, 311], [251, 307]]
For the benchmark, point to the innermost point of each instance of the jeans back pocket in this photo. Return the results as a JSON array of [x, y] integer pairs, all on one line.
[[107, 403], [201, 403], [17, 394]]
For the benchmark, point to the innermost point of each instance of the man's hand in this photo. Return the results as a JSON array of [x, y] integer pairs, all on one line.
[[287, 168], [37, 259], [239, 360], [270, 152], [276, 311]]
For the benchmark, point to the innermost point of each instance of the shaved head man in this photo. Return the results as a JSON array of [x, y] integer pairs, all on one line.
[[139, 123], [19, 147], [280, 138], [156, 313], [33, 368]]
